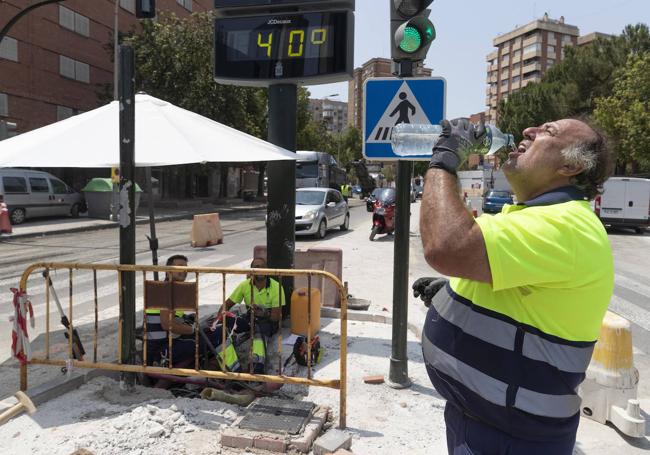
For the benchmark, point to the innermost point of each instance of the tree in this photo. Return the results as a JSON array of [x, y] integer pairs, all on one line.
[[625, 115]]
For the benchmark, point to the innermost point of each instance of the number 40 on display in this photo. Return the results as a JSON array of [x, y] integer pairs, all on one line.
[[318, 36]]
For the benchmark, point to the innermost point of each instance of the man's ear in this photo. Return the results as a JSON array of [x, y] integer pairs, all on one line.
[[570, 170]]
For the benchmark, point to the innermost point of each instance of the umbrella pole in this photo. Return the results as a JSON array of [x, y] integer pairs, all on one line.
[[153, 241]]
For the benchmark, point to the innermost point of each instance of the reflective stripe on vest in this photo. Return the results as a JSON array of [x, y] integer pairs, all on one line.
[[506, 363], [155, 330]]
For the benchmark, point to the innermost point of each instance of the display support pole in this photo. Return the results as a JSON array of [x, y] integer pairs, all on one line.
[[281, 207]]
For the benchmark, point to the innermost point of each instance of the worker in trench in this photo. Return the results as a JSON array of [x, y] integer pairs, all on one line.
[[264, 298]]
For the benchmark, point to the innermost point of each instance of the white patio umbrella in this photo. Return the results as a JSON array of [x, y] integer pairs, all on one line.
[[165, 135]]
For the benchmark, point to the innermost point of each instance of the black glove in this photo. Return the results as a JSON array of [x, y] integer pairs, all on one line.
[[427, 287], [456, 138]]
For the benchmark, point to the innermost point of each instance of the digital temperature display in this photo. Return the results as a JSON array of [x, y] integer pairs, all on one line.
[[291, 47]]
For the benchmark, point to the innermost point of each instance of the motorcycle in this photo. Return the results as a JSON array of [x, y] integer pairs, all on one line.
[[383, 213]]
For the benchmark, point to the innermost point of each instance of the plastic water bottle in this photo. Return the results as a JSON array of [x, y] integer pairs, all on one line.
[[495, 140], [411, 139]]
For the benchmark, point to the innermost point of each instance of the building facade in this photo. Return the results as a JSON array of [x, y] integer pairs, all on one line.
[[376, 67], [523, 55], [57, 60], [333, 114]]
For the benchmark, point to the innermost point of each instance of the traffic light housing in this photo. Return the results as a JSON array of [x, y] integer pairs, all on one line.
[[145, 9], [411, 30]]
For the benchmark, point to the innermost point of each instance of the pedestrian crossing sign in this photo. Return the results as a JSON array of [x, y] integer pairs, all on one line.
[[390, 101]]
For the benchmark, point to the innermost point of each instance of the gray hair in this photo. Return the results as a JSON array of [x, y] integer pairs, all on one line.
[[596, 160], [580, 155]]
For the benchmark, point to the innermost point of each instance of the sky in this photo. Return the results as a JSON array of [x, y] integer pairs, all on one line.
[[465, 30]]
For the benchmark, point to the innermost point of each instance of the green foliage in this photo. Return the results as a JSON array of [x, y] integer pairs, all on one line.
[[625, 115]]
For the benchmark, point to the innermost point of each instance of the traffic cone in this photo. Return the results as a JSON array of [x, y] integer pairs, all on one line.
[[609, 392], [5, 221]]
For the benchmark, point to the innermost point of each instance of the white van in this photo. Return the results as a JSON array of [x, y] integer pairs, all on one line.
[[30, 194], [625, 202]]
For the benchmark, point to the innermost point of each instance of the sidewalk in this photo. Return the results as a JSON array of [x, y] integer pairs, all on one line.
[[48, 226]]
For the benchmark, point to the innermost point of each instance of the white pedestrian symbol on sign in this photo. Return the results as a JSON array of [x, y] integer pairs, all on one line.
[[403, 108]]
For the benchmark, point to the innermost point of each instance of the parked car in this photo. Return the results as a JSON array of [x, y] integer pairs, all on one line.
[[320, 209], [625, 202], [31, 194], [494, 200], [356, 189]]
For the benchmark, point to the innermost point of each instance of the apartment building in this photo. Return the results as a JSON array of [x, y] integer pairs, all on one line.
[[376, 67], [57, 59], [334, 114], [523, 55]]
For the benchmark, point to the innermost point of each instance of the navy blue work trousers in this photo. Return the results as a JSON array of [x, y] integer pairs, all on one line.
[[467, 436]]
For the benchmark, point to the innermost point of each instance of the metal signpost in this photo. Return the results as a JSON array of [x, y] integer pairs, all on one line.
[[281, 44], [411, 36]]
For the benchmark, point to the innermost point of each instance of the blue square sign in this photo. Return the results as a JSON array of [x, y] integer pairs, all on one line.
[[390, 101]]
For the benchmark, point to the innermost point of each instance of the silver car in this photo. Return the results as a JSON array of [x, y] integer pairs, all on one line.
[[320, 209], [31, 194]]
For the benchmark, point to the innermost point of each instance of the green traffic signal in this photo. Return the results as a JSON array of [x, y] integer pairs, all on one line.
[[411, 41]]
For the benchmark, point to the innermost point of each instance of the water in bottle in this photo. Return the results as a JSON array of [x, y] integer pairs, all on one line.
[[412, 139], [498, 143], [409, 139]]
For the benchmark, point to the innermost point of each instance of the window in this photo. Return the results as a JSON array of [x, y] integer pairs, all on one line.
[[550, 37], [39, 185], [505, 60], [504, 83], [516, 54], [58, 187], [128, 5], [530, 61], [550, 50], [516, 67], [74, 69], [64, 112], [14, 184], [516, 79], [4, 104], [9, 49], [550, 62], [74, 21], [187, 4], [532, 75], [566, 39], [532, 48]]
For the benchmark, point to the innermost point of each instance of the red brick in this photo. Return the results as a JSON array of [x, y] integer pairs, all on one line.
[[378, 379], [270, 444], [230, 438]]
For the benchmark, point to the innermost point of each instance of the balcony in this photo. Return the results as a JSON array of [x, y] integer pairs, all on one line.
[[492, 56], [515, 85], [532, 40], [532, 67], [492, 78]]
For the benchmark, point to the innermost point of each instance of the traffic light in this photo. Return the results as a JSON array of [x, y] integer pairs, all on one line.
[[411, 30], [7, 129], [145, 9]]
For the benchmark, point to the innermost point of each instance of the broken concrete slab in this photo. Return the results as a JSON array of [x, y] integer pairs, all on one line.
[[332, 441]]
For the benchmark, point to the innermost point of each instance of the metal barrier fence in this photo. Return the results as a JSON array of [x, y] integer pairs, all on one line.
[[337, 383]]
